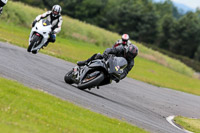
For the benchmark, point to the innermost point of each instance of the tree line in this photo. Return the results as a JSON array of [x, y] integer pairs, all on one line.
[[159, 24]]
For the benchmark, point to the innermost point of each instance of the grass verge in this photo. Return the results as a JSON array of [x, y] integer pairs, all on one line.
[[189, 124], [26, 110]]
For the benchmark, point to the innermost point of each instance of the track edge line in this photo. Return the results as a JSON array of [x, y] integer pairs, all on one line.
[[170, 119]]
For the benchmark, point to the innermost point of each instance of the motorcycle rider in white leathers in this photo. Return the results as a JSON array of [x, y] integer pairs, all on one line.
[[55, 18], [2, 3]]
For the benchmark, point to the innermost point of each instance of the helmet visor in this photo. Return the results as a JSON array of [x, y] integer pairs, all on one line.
[[55, 13]]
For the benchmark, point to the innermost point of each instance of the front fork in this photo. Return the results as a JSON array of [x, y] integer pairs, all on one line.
[[76, 74]]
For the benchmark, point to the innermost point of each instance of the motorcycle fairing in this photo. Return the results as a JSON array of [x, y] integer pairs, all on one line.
[[43, 28], [116, 65], [96, 65]]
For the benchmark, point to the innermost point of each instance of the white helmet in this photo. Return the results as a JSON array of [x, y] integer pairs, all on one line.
[[56, 11], [3, 2], [125, 38]]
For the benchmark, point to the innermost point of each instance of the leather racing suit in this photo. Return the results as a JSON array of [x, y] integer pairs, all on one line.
[[56, 23]]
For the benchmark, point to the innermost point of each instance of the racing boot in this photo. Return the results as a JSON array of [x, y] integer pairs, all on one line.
[[82, 63], [46, 43]]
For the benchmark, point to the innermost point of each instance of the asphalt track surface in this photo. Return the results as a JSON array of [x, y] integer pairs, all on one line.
[[138, 103]]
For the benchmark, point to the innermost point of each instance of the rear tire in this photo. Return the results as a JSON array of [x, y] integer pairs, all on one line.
[[68, 77], [33, 41], [92, 83]]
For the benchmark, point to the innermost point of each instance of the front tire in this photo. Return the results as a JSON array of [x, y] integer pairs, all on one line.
[[68, 77], [91, 83], [34, 39], [35, 51]]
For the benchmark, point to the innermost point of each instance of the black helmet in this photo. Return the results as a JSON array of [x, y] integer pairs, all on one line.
[[56, 10], [125, 38], [131, 51]]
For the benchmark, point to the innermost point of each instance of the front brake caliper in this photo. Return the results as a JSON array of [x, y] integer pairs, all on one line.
[[76, 72]]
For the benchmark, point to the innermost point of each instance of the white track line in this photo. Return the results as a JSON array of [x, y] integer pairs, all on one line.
[[170, 120]]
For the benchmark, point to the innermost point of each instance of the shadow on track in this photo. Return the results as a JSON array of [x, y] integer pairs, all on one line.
[[133, 108], [100, 96], [108, 99]]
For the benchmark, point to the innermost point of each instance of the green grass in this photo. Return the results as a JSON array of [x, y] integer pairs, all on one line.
[[162, 76], [24, 110], [189, 123], [76, 42]]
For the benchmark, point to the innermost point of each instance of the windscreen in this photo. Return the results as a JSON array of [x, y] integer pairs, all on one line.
[[117, 63], [45, 22], [120, 61]]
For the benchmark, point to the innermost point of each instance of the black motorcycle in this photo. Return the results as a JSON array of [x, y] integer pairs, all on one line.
[[97, 72]]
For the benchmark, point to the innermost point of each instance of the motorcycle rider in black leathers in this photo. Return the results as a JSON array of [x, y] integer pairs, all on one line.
[[55, 18], [129, 53], [2, 3]]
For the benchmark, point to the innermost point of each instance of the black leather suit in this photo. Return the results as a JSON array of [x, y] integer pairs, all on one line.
[[120, 51]]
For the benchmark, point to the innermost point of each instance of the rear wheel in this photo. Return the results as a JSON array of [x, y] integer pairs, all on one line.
[[68, 77], [89, 82], [34, 40]]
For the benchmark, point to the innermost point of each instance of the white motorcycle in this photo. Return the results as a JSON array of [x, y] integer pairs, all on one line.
[[39, 35], [2, 3]]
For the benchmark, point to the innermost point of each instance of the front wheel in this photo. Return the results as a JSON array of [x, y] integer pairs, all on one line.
[[34, 40], [68, 77], [89, 82]]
